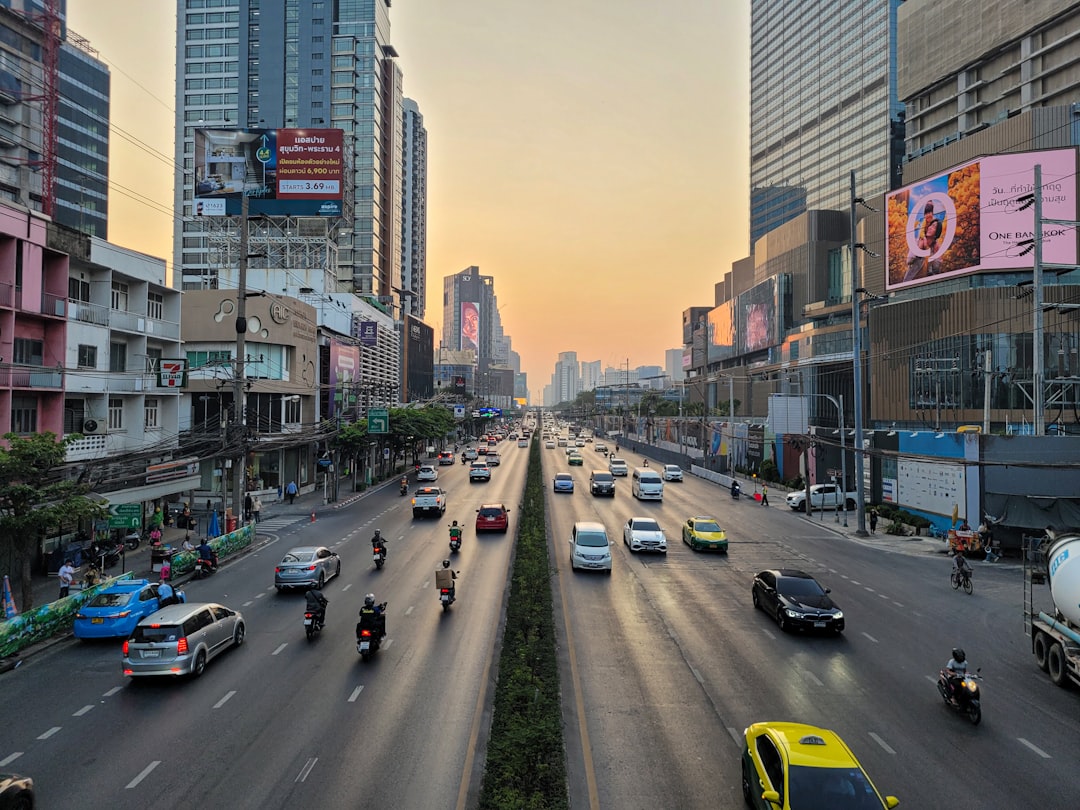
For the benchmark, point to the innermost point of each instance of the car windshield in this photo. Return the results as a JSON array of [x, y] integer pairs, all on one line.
[[646, 526], [564, 477], [830, 789], [490, 512], [594, 540], [601, 476], [707, 526], [110, 599], [673, 468], [299, 557], [799, 586]]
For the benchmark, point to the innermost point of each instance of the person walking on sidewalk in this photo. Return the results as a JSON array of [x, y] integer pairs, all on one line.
[[290, 490], [764, 495], [66, 574], [873, 521], [256, 508], [249, 507]]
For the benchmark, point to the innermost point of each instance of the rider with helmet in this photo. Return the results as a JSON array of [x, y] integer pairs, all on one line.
[[378, 541], [316, 603], [455, 531], [444, 578], [372, 615], [956, 669]]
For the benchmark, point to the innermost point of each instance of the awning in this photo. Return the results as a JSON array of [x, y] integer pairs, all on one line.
[[151, 492]]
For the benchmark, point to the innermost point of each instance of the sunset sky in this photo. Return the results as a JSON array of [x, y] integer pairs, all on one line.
[[591, 156]]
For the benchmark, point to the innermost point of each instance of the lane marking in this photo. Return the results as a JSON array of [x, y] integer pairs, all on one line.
[[82, 711], [145, 772], [260, 595], [248, 602], [769, 633], [868, 588], [303, 775], [1035, 748], [898, 604], [882, 743], [735, 735], [112, 691], [855, 582], [883, 596], [386, 644], [280, 648], [871, 637], [931, 678], [225, 699], [346, 587], [833, 571], [409, 609], [697, 675], [10, 758], [49, 733], [355, 694], [811, 676]]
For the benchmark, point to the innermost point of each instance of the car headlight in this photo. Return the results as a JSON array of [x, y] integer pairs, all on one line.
[[838, 615], [792, 613]]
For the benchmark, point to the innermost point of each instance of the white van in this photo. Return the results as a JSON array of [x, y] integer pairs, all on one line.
[[647, 484]]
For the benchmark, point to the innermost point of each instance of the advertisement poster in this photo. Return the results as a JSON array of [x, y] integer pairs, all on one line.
[[470, 326], [979, 216], [757, 326], [722, 331], [283, 172], [367, 332], [344, 369]]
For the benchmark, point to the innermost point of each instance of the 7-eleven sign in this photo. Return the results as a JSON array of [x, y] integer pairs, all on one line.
[[172, 373]]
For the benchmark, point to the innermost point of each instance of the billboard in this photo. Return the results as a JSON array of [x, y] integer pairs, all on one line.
[[722, 332], [757, 322], [470, 326], [344, 372], [283, 172], [972, 218]]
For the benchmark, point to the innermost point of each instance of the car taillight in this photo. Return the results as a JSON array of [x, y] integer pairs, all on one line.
[[414, 501], [311, 568], [181, 646], [123, 614], [365, 633], [277, 569], [125, 648]]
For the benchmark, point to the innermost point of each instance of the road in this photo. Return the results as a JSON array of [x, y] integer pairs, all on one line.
[[281, 721], [668, 662]]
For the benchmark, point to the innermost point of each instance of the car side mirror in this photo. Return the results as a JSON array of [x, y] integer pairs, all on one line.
[[508, 511], [478, 511], [828, 590]]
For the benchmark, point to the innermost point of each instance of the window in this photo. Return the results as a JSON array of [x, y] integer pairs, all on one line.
[[155, 305], [79, 290], [27, 352], [150, 414], [74, 415], [772, 763], [87, 356], [200, 359], [24, 412], [120, 296], [116, 413], [117, 357], [153, 359], [292, 410]]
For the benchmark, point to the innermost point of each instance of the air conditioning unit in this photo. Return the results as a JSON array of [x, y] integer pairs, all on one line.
[[93, 427]]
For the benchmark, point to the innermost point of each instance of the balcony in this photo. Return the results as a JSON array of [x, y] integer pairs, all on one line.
[[121, 383], [166, 330], [87, 448], [31, 377], [54, 305], [86, 312], [127, 321], [7, 295]]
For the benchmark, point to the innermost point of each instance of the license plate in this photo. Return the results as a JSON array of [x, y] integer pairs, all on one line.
[[307, 622], [151, 654], [376, 558], [490, 519], [819, 624], [97, 620], [365, 646]]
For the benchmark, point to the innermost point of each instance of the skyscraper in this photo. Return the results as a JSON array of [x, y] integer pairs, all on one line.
[[271, 64], [414, 212], [471, 318], [823, 103]]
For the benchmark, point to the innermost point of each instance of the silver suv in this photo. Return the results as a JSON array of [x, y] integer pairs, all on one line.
[[181, 639]]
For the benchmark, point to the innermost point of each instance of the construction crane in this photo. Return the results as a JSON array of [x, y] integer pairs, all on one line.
[[51, 37]]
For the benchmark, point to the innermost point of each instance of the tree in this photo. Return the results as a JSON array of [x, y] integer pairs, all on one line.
[[34, 499]]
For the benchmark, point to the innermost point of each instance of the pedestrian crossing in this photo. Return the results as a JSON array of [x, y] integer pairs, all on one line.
[[275, 523]]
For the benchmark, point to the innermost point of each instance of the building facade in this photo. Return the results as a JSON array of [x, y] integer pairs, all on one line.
[[471, 317], [414, 212]]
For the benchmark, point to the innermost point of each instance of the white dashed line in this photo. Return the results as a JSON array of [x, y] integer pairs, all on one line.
[[225, 699], [833, 571], [112, 691], [768, 633], [883, 596], [931, 678], [260, 595], [812, 677], [346, 587], [355, 694], [409, 609], [386, 644], [280, 648], [868, 588], [871, 637], [855, 582], [49, 733], [145, 773], [82, 711], [734, 735], [248, 602], [898, 604], [10, 758], [1035, 748], [881, 742]]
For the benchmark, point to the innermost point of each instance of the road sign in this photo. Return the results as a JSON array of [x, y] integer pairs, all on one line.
[[125, 516], [378, 420]]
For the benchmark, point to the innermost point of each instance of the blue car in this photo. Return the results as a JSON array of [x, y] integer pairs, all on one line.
[[114, 612], [563, 483]]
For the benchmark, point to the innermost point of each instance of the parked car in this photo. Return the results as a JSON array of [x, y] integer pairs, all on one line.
[[701, 533], [181, 639], [479, 471], [114, 611], [589, 547], [644, 534], [306, 567], [564, 482], [492, 517], [797, 601], [672, 472]]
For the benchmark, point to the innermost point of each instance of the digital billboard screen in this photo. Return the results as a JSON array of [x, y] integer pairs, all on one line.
[[722, 332], [757, 322], [975, 217], [283, 172]]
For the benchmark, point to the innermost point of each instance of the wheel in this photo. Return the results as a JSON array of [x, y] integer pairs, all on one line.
[[310, 631], [748, 797], [968, 587], [445, 606], [954, 580], [379, 563], [608, 572], [200, 664], [1055, 662], [801, 507], [364, 656], [849, 505], [322, 580], [781, 622], [1041, 647], [238, 635], [757, 600], [974, 712]]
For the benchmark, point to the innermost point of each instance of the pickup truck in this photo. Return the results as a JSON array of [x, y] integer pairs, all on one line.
[[428, 500], [822, 496]]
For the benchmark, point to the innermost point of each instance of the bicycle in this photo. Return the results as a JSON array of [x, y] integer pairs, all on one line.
[[957, 580]]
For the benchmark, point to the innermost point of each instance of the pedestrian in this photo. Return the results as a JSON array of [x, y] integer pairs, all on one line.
[[157, 520], [248, 507], [166, 571], [764, 495], [187, 522], [290, 490], [66, 574], [166, 595], [873, 520], [256, 508]]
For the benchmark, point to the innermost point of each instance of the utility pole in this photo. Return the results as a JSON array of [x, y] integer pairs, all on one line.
[[1037, 395], [239, 396]]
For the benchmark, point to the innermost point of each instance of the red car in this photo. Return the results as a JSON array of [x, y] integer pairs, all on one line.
[[492, 517]]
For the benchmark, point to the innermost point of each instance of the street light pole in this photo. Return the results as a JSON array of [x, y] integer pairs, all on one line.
[[239, 405], [856, 353]]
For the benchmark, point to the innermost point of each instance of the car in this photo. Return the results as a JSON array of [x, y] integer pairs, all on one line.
[[306, 567], [562, 441], [575, 460], [523, 442], [446, 458], [672, 472], [796, 600], [589, 547], [492, 517], [493, 459], [579, 443], [616, 466], [482, 450], [792, 765], [470, 453], [16, 792], [114, 611], [644, 534], [549, 444], [564, 482], [601, 482], [588, 439], [570, 450], [427, 473], [181, 639], [600, 447], [703, 532], [479, 471]]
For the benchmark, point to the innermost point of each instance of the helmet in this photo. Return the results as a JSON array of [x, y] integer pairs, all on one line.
[[958, 655], [445, 563], [378, 533], [455, 523], [369, 600]]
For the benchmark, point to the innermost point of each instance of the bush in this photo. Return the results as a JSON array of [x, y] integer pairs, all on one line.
[[798, 482], [769, 471]]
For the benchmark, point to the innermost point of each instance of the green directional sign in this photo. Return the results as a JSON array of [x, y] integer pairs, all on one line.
[[125, 516], [378, 420]]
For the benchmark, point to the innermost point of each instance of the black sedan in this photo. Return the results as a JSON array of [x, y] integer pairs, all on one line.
[[797, 601]]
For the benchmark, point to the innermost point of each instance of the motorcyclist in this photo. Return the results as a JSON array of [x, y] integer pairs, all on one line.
[[372, 614], [645, 462], [316, 603], [955, 670], [404, 484], [378, 541], [444, 578], [734, 488], [455, 531], [207, 553]]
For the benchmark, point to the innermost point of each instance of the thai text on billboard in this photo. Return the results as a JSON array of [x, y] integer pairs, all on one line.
[[470, 326], [979, 216]]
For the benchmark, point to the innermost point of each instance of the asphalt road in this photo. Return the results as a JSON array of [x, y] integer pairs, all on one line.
[[281, 721], [667, 662]]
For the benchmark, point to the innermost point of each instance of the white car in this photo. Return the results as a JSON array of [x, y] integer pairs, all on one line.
[[616, 466], [644, 534], [549, 444], [589, 547], [672, 472], [427, 473]]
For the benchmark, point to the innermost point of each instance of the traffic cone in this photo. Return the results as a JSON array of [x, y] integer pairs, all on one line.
[[312, 515]]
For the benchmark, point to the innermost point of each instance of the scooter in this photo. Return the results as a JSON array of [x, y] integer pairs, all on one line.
[[735, 490], [313, 622], [108, 556], [965, 700], [378, 553], [203, 568], [455, 542], [404, 489], [369, 638]]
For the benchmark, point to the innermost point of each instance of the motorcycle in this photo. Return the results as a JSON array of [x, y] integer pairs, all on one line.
[[132, 540], [965, 699], [378, 553], [404, 489], [203, 568], [313, 622], [446, 597], [735, 490], [455, 542], [369, 634], [108, 556]]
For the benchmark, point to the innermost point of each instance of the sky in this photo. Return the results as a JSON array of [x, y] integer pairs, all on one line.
[[591, 156]]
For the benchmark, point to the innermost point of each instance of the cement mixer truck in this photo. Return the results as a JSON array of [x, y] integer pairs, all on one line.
[[1055, 634]]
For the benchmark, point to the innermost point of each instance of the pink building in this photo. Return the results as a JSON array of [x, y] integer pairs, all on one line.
[[33, 325]]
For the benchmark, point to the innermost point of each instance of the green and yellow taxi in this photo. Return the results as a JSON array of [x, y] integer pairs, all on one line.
[[789, 766], [704, 533], [575, 460]]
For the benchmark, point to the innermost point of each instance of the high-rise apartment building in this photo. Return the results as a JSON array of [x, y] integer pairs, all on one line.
[[823, 103], [566, 381], [471, 317], [272, 64], [414, 212]]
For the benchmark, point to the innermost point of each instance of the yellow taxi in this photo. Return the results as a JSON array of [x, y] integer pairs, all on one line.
[[704, 532], [792, 766]]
